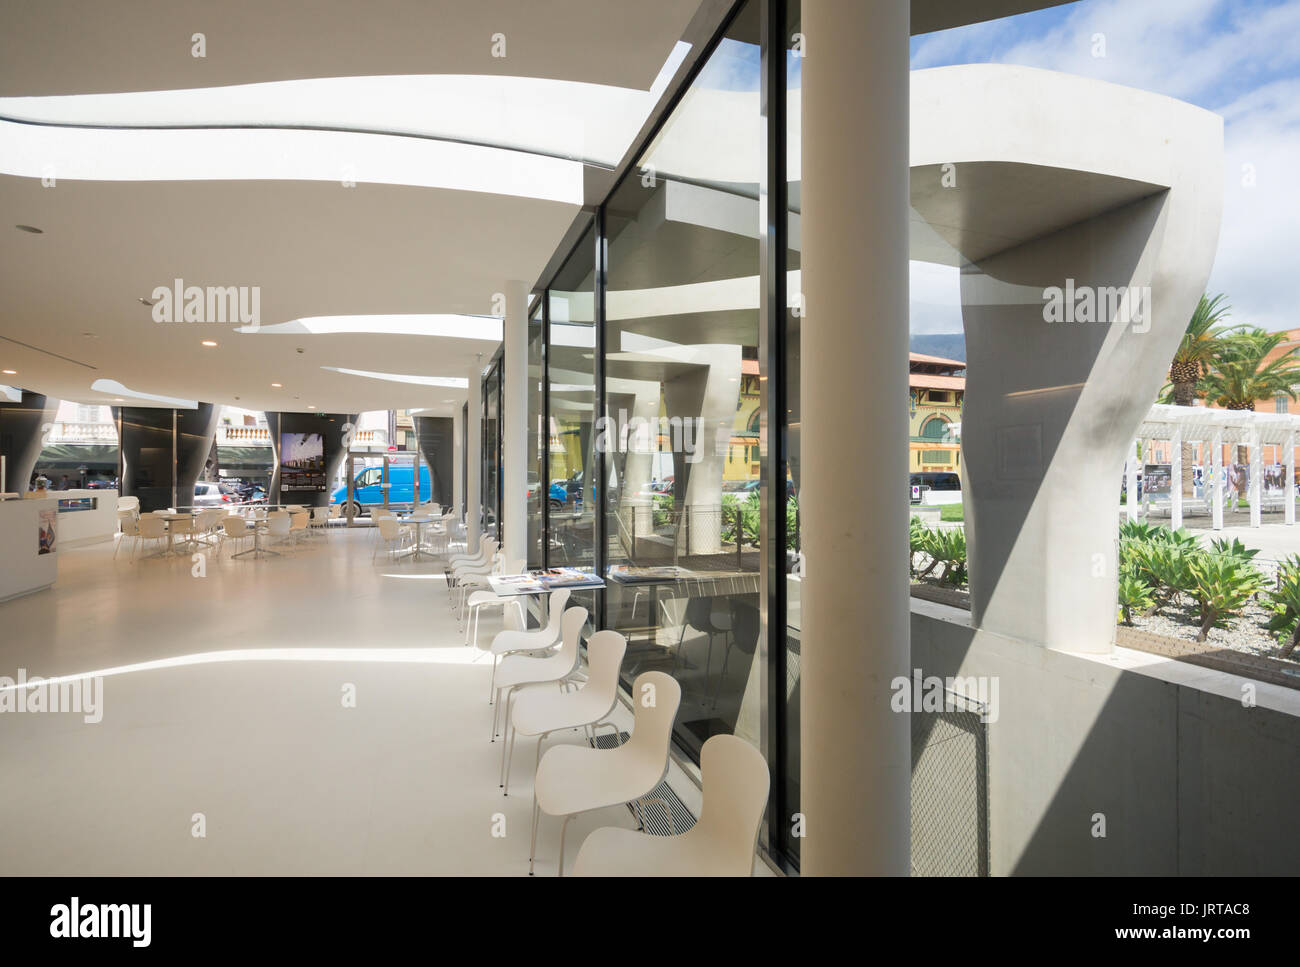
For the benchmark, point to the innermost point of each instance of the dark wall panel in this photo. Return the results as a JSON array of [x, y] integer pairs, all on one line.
[[437, 446]]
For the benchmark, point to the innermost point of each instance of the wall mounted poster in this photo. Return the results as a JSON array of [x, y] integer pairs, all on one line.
[[47, 520], [302, 462]]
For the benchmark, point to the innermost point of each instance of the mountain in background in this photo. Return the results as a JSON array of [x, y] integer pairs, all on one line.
[[950, 345]]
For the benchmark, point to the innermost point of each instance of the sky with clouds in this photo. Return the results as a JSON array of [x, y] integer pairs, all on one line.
[[1238, 58]]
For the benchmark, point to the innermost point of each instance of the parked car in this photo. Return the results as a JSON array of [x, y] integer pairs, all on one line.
[[558, 493], [210, 495], [367, 492]]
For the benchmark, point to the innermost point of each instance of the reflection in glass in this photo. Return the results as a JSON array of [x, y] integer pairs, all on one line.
[[537, 485], [682, 434]]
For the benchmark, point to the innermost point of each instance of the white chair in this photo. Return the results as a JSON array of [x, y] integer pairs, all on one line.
[[129, 505], [298, 524], [206, 524], [279, 527], [735, 784], [392, 535], [509, 641], [519, 670], [540, 711], [490, 599], [131, 532], [151, 528], [319, 521], [181, 531], [577, 779], [234, 529]]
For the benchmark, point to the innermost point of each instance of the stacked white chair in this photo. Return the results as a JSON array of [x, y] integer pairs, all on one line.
[[470, 579], [577, 779], [735, 784], [541, 712]]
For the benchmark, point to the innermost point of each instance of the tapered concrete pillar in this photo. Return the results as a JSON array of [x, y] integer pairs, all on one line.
[[856, 766], [514, 456], [474, 456], [1131, 483]]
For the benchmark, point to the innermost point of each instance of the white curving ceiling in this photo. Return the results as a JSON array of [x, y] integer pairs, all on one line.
[[445, 232]]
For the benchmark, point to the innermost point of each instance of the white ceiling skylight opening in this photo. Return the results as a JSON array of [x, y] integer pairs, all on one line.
[[450, 382], [443, 325], [569, 120], [111, 387]]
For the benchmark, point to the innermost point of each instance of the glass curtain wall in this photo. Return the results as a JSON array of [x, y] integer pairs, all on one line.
[[682, 393], [571, 388], [491, 489], [669, 402], [538, 482]]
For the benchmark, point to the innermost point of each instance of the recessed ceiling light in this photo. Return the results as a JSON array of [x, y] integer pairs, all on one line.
[[209, 342], [118, 399], [30, 228], [277, 385], [310, 407], [9, 372], [143, 301]]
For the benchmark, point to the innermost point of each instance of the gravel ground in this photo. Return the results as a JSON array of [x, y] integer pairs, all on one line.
[[1246, 632]]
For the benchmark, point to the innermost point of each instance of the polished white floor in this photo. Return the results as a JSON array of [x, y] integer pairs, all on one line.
[[224, 696]]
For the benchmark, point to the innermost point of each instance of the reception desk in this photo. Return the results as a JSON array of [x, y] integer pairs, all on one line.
[[29, 545], [86, 516]]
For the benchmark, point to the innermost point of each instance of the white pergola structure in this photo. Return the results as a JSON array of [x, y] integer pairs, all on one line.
[[1214, 428]]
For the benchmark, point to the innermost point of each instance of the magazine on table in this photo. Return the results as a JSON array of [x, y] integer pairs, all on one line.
[[648, 575]]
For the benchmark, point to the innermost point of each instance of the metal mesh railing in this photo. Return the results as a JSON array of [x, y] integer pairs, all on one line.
[[950, 789]]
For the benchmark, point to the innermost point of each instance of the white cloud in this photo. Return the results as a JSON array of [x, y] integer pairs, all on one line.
[[1241, 60]]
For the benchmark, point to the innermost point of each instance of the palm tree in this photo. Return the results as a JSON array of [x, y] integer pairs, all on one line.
[[1242, 373], [1195, 354]]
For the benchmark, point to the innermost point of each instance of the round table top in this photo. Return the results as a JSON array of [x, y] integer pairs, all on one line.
[[422, 519]]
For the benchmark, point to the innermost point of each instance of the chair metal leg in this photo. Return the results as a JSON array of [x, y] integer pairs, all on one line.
[[564, 828], [505, 778], [532, 845]]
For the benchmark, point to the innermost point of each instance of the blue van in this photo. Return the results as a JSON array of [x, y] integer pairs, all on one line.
[[401, 490]]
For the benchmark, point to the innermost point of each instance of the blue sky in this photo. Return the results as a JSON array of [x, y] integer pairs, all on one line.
[[1238, 58]]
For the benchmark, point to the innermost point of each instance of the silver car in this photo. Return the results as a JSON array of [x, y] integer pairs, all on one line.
[[209, 495]]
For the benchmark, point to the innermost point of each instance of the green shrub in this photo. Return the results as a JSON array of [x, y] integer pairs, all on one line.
[[1221, 584], [1284, 602], [1133, 593]]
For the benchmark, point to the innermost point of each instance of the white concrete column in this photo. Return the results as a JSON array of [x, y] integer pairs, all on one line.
[[1256, 489], [856, 759], [1288, 488], [1176, 479], [1131, 483], [514, 418], [1217, 466], [474, 457]]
